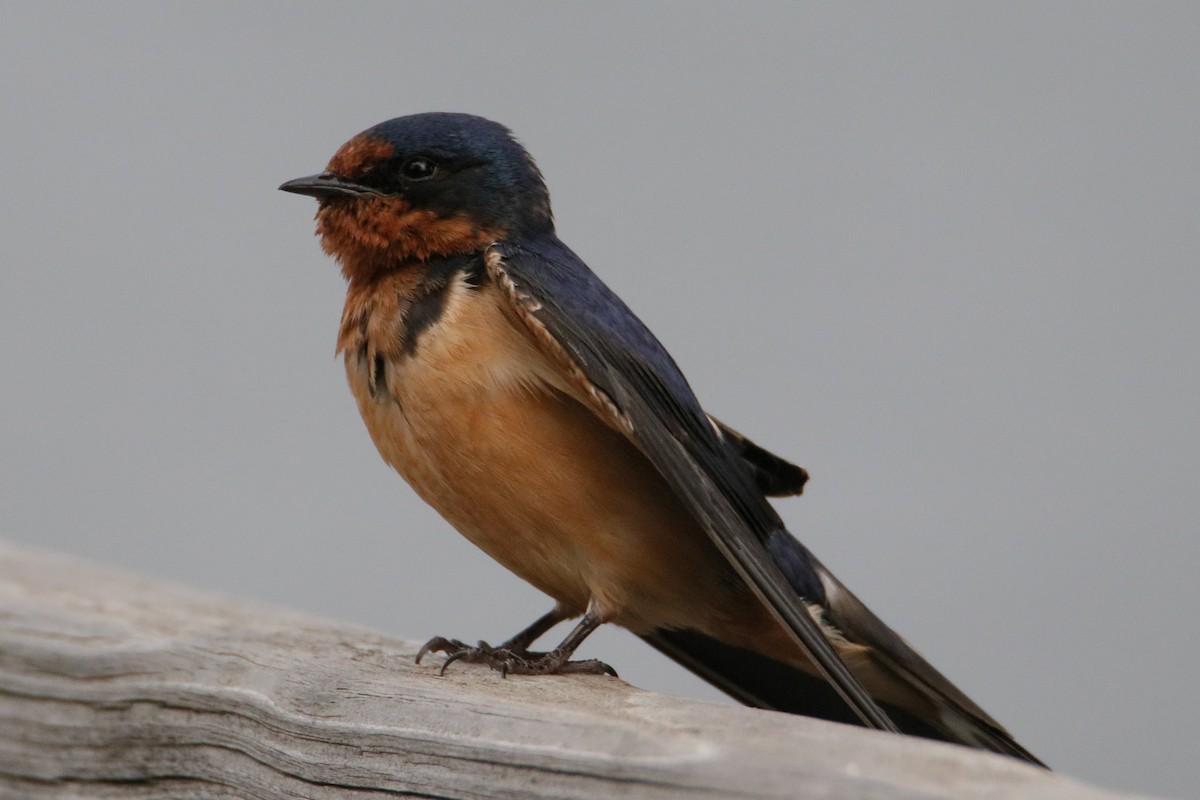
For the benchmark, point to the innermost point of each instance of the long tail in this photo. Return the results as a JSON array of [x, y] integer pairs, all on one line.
[[763, 682]]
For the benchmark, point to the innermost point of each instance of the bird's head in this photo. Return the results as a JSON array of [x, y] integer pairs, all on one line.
[[424, 186]]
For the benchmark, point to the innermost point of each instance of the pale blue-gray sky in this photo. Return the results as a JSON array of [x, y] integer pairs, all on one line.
[[943, 255]]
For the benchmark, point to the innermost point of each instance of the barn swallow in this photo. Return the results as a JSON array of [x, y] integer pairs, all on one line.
[[529, 406]]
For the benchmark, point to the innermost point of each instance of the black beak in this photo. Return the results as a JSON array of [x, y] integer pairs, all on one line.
[[326, 185]]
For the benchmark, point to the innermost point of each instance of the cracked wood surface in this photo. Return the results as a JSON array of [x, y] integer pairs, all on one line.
[[114, 685]]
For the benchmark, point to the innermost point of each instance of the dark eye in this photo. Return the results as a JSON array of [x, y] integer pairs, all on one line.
[[419, 168]]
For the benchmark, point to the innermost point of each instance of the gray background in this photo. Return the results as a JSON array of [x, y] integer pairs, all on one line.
[[942, 255]]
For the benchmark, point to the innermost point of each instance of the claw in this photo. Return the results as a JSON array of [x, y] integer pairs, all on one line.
[[507, 662], [440, 644], [451, 658]]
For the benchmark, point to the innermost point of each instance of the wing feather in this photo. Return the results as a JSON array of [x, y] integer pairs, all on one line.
[[635, 386], [774, 476]]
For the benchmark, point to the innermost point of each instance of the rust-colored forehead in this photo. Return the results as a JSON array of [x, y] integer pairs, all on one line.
[[357, 156]]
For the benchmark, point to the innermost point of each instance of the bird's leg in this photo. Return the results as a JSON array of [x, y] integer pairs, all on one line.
[[514, 657], [557, 661], [517, 645]]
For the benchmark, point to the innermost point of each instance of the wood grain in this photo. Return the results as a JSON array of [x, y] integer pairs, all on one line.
[[114, 685]]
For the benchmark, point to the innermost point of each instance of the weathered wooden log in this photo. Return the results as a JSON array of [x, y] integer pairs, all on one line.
[[112, 685]]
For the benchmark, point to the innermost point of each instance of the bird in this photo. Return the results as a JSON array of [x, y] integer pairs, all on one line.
[[524, 401]]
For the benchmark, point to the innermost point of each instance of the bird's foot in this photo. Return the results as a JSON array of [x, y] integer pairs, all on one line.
[[512, 661]]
